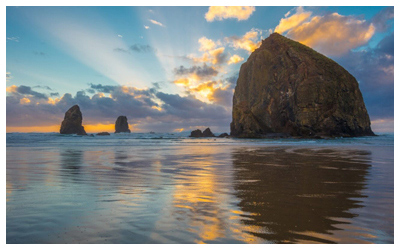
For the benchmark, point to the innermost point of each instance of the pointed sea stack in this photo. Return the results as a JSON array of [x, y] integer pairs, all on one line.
[[72, 123], [286, 87], [121, 125]]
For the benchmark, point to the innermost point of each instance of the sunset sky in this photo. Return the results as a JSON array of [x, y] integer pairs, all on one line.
[[171, 69]]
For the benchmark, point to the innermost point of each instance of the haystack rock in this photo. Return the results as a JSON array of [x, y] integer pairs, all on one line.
[[121, 125], [72, 123], [288, 88]]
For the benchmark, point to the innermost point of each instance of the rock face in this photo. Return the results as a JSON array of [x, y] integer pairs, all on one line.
[[286, 87], [121, 125], [72, 123], [206, 133]]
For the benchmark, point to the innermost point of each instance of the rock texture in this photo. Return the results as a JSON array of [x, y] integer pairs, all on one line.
[[288, 88], [121, 125], [206, 133], [72, 123]]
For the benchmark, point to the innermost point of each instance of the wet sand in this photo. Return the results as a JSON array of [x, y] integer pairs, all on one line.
[[200, 194]]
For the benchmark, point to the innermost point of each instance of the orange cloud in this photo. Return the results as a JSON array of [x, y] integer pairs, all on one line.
[[332, 34], [250, 41], [156, 23], [225, 12], [235, 59], [206, 44], [293, 21], [11, 89], [24, 100], [215, 56], [182, 82]]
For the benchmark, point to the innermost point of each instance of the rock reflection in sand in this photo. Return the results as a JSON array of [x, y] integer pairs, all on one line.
[[290, 193]]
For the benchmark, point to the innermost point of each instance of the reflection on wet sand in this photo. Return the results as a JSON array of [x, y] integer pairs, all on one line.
[[196, 194], [298, 195]]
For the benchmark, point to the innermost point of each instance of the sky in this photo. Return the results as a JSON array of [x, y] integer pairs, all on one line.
[[173, 69]]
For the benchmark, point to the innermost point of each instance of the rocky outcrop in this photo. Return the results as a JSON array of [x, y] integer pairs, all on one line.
[[223, 135], [103, 133], [121, 125], [196, 133], [206, 133], [72, 123], [288, 88]]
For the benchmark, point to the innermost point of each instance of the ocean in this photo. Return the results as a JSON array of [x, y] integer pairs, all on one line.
[[169, 188]]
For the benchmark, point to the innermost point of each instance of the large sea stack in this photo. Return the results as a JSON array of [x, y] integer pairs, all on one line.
[[72, 123], [121, 125], [288, 88]]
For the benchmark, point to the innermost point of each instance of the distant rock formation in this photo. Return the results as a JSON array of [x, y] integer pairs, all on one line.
[[103, 133], [121, 125], [72, 123], [223, 135], [196, 133], [206, 133], [288, 88]]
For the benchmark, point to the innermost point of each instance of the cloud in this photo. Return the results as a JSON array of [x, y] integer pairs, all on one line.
[[141, 48], [103, 88], [235, 59], [121, 50], [332, 34], [148, 109], [198, 72], [206, 44], [211, 53], [8, 76], [380, 20], [156, 23], [25, 90], [146, 27], [13, 39], [43, 87], [225, 12], [374, 69], [249, 42], [293, 21]]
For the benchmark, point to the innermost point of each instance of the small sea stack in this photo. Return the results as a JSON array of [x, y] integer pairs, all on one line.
[[223, 135], [121, 125], [103, 133], [206, 133], [72, 123]]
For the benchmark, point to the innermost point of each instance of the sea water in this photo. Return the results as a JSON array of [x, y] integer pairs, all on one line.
[[169, 188]]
